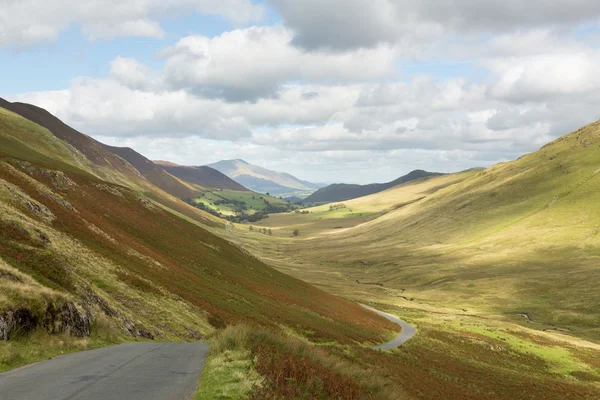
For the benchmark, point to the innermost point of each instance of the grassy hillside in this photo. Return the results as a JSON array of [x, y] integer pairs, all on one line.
[[154, 173], [202, 176], [497, 268], [342, 191], [85, 262], [245, 204], [519, 237]]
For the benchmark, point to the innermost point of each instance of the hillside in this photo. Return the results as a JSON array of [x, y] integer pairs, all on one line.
[[105, 262], [342, 191], [262, 180], [497, 268], [520, 237], [203, 176], [154, 173]]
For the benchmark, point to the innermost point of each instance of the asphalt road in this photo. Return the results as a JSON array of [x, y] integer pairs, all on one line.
[[133, 371], [407, 332]]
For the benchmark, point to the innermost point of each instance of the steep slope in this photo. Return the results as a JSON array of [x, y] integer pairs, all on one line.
[[517, 239], [260, 179], [203, 176], [109, 254], [100, 161], [152, 172], [104, 163], [342, 191]]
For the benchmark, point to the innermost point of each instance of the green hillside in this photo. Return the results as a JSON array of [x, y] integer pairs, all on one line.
[[506, 254], [86, 262], [343, 191], [240, 206], [520, 237]]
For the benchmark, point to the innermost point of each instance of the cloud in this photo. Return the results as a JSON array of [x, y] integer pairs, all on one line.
[[133, 74], [26, 23], [348, 24], [107, 108], [253, 63], [324, 91]]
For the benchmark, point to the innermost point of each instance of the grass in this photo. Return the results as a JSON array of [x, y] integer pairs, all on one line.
[[141, 256], [253, 201], [463, 256], [278, 365], [40, 345], [228, 375], [519, 237]]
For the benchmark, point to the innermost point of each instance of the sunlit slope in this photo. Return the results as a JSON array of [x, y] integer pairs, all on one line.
[[81, 237], [518, 238], [552, 191], [343, 192], [95, 157]]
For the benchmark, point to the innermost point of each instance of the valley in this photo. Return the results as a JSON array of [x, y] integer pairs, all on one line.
[[299, 200], [502, 258], [493, 268]]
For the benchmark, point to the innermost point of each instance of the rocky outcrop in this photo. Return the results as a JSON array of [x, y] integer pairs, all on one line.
[[92, 299], [64, 319], [67, 318], [16, 322], [137, 331]]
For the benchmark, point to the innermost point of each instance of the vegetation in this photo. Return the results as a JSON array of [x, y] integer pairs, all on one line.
[[496, 268], [239, 206], [342, 191], [134, 257]]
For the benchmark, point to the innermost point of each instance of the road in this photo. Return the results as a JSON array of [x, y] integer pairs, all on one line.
[[407, 332], [132, 371]]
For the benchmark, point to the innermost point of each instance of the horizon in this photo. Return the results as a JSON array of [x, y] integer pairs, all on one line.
[[298, 90]]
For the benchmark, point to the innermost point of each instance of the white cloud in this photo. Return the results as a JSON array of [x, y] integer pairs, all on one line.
[[250, 63], [323, 90], [133, 74], [25, 23], [345, 24]]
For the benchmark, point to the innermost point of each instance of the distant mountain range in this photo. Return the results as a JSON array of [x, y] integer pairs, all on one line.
[[202, 176], [343, 191], [263, 180]]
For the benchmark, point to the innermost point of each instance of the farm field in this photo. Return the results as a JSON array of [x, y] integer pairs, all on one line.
[[231, 202]]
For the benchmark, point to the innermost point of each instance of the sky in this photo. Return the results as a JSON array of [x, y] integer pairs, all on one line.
[[328, 90]]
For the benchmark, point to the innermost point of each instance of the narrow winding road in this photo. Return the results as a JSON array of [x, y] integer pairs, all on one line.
[[407, 332], [132, 371]]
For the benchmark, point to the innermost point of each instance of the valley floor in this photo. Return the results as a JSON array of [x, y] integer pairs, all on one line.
[[481, 332]]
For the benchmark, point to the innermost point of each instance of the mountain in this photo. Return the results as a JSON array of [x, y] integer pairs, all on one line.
[[153, 172], [203, 176], [523, 235], [505, 256], [91, 247], [262, 180], [341, 191]]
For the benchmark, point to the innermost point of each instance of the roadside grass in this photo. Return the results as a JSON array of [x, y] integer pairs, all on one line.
[[39, 345], [277, 365], [451, 357], [229, 371]]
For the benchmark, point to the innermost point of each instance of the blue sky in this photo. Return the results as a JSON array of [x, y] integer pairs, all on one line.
[[332, 90]]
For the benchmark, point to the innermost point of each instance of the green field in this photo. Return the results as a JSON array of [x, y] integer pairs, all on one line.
[[230, 202]]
